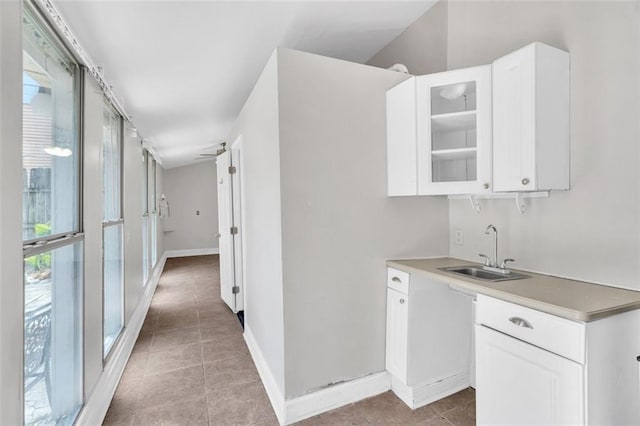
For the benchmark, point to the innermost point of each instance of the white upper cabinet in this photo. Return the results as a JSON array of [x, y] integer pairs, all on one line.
[[531, 120], [454, 132], [402, 174]]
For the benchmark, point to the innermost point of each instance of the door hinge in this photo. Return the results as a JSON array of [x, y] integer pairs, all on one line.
[[232, 170], [234, 230], [235, 289]]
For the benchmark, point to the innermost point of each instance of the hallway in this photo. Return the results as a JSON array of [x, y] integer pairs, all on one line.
[[190, 366]]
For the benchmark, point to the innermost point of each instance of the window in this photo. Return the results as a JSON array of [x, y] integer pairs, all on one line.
[[154, 213], [145, 216], [153, 191], [145, 248], [53, 247], [113, 223], [145, 181]]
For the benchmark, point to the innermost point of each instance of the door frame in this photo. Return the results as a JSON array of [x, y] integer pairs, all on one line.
[[238, 212]]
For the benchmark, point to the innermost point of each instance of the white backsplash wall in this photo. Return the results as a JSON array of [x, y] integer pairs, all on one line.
[[591, 232]]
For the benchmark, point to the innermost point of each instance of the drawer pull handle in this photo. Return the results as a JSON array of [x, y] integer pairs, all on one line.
[[396, 280], [401, 301], [520, 322]]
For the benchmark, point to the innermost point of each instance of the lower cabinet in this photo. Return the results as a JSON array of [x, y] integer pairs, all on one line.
[[535, 368], [519, 383], [397, 328], [429, 328], [531, 367]]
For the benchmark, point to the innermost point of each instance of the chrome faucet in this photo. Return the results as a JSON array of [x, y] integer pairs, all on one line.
[[495, 241], [495, 265]]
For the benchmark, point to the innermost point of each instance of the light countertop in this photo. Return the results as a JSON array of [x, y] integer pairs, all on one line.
[[574, 300]]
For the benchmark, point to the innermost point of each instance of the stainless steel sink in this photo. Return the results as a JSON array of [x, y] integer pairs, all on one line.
[[482, 274]]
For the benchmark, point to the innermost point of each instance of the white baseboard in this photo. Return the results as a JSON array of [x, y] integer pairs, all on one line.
[[270, 385], [336, 396], [293, 410], [420, 395], [192, 252], [98, 402]]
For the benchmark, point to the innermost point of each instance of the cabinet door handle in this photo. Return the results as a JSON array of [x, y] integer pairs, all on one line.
[[485, 186], [521, 322], [401, 301], [396, 280], [525, 181]]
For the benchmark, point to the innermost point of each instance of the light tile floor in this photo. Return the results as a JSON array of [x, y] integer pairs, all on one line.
[[191, 366]]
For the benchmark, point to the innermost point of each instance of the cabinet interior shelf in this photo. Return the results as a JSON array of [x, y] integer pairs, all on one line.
[[453, 121], [454, 154]]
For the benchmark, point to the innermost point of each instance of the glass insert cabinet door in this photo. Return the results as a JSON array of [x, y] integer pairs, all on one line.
[[454, 132]]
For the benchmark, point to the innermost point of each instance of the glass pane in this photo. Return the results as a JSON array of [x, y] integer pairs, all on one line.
[[154, 239], [145, 181], [50, 137], [53, 336], [145, 249], [454, 169], [111, 164], [152, 185], [456, 97], [113, 277]]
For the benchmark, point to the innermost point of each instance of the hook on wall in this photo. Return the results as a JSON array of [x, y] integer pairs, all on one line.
[[475, 204], [521, 204]]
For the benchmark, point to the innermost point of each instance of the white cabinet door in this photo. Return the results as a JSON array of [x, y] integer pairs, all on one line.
[[521, 384], [402, 174], [225, 222], [454, 132], [397, 333], [531, 119]]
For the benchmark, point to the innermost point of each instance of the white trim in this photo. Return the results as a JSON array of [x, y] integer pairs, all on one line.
[[314, 403], [191, 252], [97, 404], [420, 395], [336, 396], [270, 385]]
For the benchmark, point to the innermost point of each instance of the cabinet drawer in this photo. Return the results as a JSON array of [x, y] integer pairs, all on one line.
[[558, 335], [398, 280]]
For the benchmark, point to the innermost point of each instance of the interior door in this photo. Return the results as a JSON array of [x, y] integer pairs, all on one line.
[[225, 224], [237, 221]]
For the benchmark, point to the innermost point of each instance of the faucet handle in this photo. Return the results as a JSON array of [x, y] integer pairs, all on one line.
[[503, 265], [487, 260]]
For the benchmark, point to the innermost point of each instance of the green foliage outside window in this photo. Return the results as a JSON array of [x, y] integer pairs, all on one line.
[[40, 261]]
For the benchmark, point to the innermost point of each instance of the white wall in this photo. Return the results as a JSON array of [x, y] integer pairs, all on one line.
[[92, 211], [591, 232], [258, 125], [132, 213], [188, 189], [420, 46], [11, 280], [338, 224]]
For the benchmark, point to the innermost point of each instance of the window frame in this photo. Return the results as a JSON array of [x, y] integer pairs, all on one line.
[[73, 237], [78, 99], [111, 223]]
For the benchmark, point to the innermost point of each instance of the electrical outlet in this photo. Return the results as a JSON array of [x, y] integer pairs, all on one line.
[[459, 237]]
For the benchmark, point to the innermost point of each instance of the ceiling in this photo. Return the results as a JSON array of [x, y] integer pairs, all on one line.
[[184, 69]]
